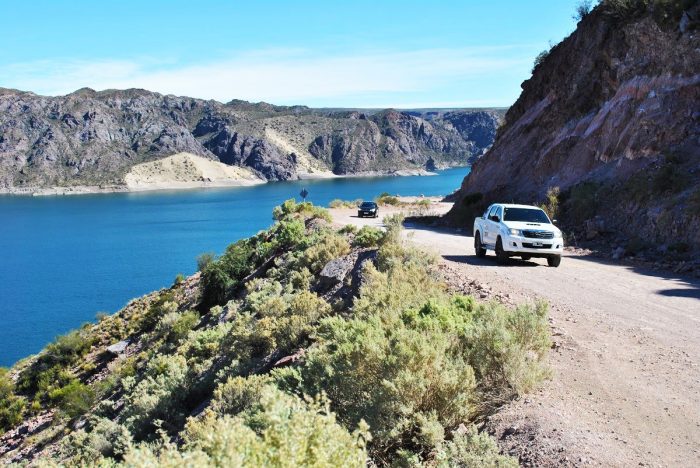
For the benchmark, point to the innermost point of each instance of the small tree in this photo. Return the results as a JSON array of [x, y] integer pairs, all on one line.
[[583, 8]]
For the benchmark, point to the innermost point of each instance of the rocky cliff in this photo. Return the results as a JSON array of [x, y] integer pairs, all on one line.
[[94, 138], [610, 118]]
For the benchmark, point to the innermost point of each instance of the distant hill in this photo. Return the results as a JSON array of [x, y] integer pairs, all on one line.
[[95, 138], [610, 117]]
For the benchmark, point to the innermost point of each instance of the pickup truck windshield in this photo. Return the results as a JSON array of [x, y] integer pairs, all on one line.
[[525, 215], [368, 205]]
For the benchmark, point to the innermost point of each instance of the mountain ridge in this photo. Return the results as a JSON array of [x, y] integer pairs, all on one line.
[[93, 138], [607, 129]]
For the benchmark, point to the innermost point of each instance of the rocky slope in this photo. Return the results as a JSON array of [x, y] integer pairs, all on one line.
[[94, 138], [611, 118]]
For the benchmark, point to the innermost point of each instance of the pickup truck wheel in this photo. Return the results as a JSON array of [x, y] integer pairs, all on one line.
[[500, 253], [478, 246], [554, 260]]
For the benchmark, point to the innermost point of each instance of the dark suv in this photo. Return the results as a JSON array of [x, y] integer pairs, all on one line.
[[367, 208]]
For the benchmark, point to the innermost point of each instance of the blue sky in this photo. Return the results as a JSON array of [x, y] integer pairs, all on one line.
[[329, 53]]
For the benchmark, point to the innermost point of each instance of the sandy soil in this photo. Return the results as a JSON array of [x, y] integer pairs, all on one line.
[[185, 170], [626, 378]]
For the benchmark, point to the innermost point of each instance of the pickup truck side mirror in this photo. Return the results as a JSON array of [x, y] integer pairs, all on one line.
[[554, 221]]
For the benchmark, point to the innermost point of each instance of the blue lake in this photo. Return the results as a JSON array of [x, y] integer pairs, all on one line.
[[65, 258]]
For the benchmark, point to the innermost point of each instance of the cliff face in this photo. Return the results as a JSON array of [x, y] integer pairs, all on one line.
[[93, 138], [611, 118]]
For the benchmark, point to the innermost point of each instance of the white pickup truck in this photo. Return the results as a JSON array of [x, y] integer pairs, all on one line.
[[518, 231]]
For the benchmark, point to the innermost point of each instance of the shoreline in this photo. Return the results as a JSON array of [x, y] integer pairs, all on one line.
[[175, 186]]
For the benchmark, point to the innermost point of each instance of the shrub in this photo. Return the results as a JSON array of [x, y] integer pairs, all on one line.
[[344, 203], [330, 246], [283, 432], [470, 448], [175, 326], [386, 199], [551, 205], [47, 372], [67, 349], [179, 278], [159, 395], [348, 229], [291, 209], [74, 399], [583, 8], [395, 377], [238, 394], [203, 260], [11, 406], [541, 57], [368, 236], [106, 438]]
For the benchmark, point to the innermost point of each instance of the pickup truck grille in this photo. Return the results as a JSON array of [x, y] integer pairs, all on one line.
[[538, 234]]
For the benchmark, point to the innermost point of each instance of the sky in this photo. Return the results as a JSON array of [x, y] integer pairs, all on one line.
[[332, 53]]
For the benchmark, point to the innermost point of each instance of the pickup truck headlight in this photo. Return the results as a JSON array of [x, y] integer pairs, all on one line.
[[558, 234], [515, 232]]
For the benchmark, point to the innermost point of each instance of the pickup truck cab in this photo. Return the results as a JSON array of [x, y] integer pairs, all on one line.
[[518, 231]]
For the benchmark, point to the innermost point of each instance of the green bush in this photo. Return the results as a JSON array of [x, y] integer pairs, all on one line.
[[541, 57], [238, 394], [583, 8], [203, 260], [368, 236], [74, 399], [329, 247], [175, 326], [348, 229], [48, 371], [283, 432], [387, 199], [105, 438], [291, 209], [158, 395], [11, 406], [337, 203], [471, 448], [551, 205]]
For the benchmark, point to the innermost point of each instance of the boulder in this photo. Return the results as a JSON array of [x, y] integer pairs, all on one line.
[[118, 348]]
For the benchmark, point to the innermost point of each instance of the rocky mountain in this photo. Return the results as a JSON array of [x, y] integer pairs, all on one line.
[[609, 126], [94, 138]]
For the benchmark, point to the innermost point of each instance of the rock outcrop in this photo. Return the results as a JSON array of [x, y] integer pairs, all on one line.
[[611, 118], [91, 138]]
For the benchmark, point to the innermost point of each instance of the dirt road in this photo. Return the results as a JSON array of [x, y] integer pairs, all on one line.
[[626, 378]]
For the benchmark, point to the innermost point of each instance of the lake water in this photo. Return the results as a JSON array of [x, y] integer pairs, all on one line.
[[65, 258]]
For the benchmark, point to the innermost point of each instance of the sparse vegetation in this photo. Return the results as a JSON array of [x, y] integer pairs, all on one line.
[[583, 8], [551, 205], [387, 199], [203, 260], [368, 236], [401, 380]]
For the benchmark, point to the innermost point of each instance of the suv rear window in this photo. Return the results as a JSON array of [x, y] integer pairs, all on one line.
[[526, 215]]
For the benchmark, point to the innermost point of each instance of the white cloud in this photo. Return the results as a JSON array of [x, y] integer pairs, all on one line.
[[280, 75]]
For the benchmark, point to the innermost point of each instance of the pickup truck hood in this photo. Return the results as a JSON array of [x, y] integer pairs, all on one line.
[[530, 226]]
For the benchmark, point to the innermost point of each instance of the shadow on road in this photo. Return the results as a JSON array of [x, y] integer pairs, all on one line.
[[690, 293], [690, 287], [489, 261]]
